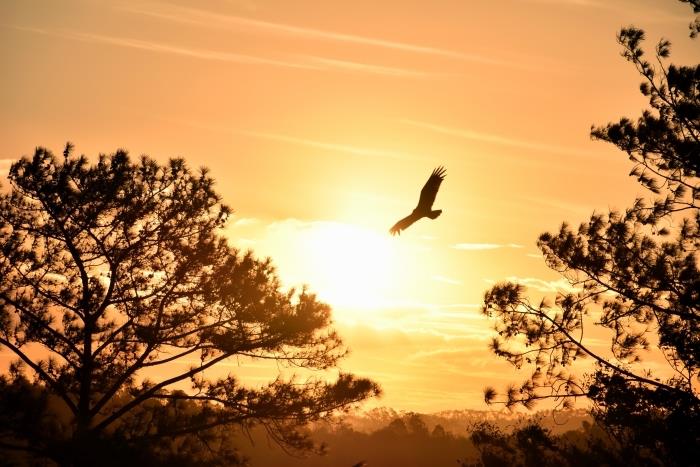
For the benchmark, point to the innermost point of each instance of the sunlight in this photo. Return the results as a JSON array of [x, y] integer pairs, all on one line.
[[351, 266], [362, 272]]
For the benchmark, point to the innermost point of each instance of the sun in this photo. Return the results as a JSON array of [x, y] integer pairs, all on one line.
[[355, 269], [351, 266]]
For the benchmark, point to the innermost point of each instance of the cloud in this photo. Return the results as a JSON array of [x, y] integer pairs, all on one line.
[[244, 242], [648, 13], [204, 54], [578, 208], [466, 306], [559, 285], [451, 322], [333, 258], [448, 352], [312, 143], [248, 5], [447, 280], [347, 149], [246, 221], [581, 3], [426, 371], [495, 139], [484, 246], [344, 65], [302, 62], [210, 19]]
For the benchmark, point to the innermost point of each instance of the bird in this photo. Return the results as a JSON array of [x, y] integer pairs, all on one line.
[[425, 202]]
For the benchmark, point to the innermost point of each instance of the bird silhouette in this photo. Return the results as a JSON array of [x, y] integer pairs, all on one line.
[[425, 202]]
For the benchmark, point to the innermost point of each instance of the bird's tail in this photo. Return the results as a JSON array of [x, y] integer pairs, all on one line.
[[435, 214]]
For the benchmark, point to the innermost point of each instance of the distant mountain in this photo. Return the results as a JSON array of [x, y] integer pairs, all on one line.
[[386, 437], [458, 422]]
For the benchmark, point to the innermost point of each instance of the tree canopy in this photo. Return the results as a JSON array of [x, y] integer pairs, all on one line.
[[119, 295], [635, 274]]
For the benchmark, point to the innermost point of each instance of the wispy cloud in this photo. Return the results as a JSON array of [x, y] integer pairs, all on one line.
[[211, 19], [246, 221], [551, 202], [484, 246], [460, 306], [650, 11], [495, 139], [344, 148], [451, 359], [442, 352], [344, 65], [447, 280], [248, 5], [303, 62], [245, 242], [158, 47], [559, 285], [312, 143], [581, 3]]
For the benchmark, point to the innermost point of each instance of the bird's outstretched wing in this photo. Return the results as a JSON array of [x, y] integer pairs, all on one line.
[[403, 224], [430, 189]]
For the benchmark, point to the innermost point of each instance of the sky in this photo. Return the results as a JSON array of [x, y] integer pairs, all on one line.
[[321, 121]]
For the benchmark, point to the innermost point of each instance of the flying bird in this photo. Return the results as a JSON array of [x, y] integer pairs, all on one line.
[[425, 203]]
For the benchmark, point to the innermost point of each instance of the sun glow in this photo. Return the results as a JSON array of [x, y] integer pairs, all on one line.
[[352, 266], [345, 265]]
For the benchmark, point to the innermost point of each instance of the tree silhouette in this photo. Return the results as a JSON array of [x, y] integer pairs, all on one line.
[[636, 274], [532, 445], [118, 293]]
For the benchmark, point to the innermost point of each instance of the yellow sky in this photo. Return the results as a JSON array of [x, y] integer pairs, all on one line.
[[322, 120]]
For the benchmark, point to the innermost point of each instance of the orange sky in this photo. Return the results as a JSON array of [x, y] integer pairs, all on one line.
[[322, 120]]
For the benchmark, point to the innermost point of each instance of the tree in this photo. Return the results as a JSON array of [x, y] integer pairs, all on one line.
[[636, 274], [532, 445], [113, 277]]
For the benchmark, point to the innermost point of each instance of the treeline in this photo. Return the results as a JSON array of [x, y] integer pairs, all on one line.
[[408, 440], [456, 421]]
